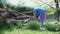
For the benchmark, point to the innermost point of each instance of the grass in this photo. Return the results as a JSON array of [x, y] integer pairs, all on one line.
[[22, 31]]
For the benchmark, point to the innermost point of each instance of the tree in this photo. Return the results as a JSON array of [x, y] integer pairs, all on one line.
[[1, 4], [57, 8]]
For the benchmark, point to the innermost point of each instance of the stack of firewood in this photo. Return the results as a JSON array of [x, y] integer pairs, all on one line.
[[12, 16]]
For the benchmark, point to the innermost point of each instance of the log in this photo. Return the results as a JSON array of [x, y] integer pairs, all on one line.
[[27, 12], [15, 16]]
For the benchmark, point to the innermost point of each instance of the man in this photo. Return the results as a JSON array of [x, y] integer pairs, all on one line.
[[40, 15]]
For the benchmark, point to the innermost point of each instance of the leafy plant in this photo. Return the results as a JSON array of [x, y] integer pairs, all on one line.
[[58, 27], [33, 25], [18, 25], [50, 27]]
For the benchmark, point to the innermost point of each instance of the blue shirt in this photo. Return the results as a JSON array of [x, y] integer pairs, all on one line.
[[41, 12]]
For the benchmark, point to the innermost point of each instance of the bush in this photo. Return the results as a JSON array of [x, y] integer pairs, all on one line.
[[50, 27], [58, 27], [18, 25], [1, 5], [23, 9], [33, 25], [6, 26]]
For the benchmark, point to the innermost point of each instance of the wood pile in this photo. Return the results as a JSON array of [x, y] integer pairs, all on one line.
[[12, 16]]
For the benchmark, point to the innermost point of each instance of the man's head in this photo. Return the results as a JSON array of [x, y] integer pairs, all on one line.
[[32, 9]]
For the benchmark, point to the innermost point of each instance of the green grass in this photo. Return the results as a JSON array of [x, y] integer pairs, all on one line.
[[22, 31]]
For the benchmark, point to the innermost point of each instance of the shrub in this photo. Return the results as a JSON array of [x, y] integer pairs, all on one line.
[[18, 25], [50, 27], [4, 25], [33, 25], [58, 27]]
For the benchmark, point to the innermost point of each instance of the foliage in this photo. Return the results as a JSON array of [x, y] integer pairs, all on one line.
[[50, 27], [18, 25], [1, 5], [33, 25], [10, 27], [6, 26], [50, 11], [58, 27], [23, 9]]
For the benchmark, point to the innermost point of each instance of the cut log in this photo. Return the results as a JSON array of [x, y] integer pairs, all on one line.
[[13, 16], [26, 20]]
